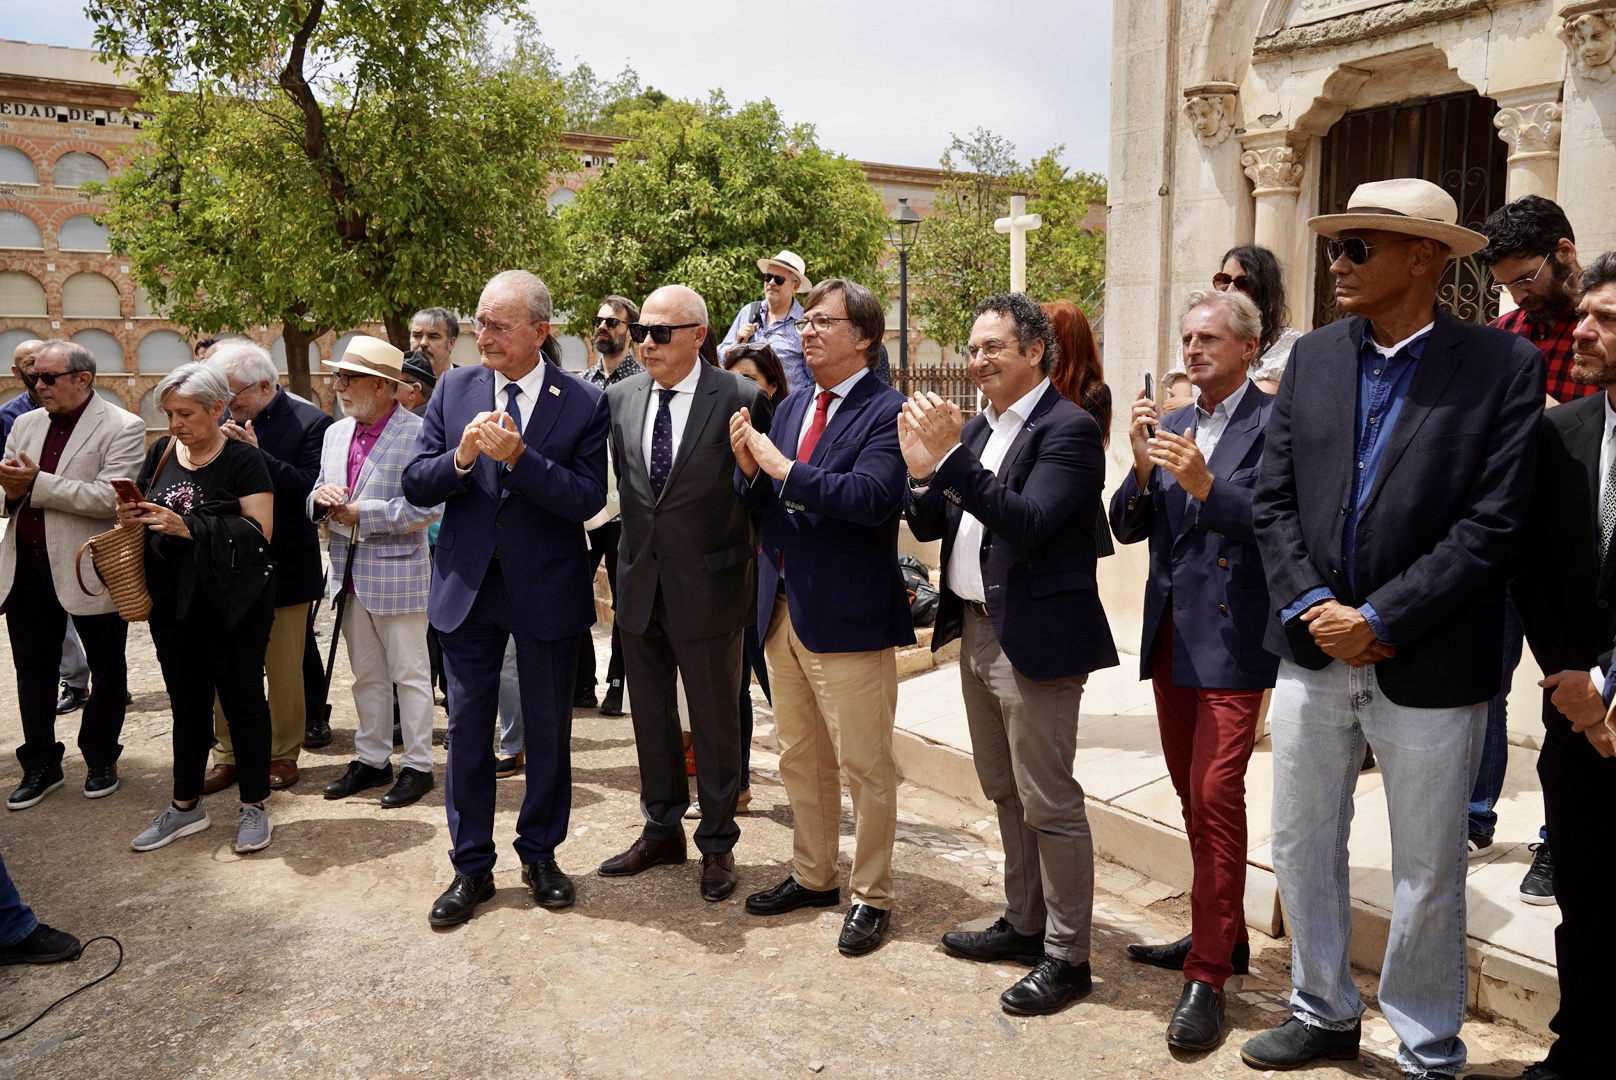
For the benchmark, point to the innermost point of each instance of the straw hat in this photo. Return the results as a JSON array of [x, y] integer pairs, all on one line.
[[791, 261], [1408, 206], [370, 356]]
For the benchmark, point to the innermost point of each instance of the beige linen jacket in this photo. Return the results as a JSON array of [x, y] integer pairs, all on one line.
[[77, 498]]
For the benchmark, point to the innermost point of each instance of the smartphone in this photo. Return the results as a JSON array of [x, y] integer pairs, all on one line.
[[1148, 394], [126, 491]]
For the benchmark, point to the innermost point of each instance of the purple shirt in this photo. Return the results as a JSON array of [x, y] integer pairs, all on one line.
[[364, 437]]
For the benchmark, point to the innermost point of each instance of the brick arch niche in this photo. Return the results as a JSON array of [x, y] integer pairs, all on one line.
[[22, 294]]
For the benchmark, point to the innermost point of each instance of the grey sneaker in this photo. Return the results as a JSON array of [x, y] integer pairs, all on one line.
[[170, 825], [252, 829]]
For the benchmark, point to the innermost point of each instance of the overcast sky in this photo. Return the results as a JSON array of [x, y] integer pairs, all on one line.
[[882, 81]]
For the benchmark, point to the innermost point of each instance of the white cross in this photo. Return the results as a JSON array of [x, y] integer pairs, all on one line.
[[1018, 225]]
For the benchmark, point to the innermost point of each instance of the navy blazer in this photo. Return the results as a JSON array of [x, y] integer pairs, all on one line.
[[530, 517], [835, 522], [1204, 557], [1441, 521], [1038, 551], [290, 433]]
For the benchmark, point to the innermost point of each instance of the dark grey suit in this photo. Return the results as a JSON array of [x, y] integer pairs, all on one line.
[[686, 573]]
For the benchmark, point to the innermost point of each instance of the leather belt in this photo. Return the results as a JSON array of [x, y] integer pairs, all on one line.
[[978, 608]]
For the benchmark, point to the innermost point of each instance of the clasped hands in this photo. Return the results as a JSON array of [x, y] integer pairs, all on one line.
[[753, 450], [338, 510], [1178, 454], [491, 433], [928, 428], [1344, 633]]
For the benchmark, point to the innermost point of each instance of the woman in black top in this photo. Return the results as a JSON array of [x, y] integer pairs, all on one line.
[[208, 514]]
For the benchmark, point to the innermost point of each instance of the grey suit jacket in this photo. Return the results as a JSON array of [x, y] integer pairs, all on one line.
[[696, 542], [77, 498]]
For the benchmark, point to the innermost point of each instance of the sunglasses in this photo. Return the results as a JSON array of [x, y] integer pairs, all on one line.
[[659, 333], [1223, 282], [775, 279], [48, 378], [608, 323], [1356, 251]]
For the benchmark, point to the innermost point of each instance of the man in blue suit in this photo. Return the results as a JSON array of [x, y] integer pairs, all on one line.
[[516, 452], [1206, 610], [1390, 502], [1013, 496], [828, 481]]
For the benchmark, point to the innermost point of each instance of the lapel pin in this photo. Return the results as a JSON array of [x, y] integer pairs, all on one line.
[[556, 390]]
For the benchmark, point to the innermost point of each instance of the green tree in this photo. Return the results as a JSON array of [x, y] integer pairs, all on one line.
[[960, 259], [324, 165], [700, 192]]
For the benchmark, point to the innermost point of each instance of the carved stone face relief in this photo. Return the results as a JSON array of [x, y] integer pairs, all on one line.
[[1591, 41], [1210, 109]]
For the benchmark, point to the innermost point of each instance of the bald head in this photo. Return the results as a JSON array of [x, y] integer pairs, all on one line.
[[673, 305], [25, 352], [680, 300]]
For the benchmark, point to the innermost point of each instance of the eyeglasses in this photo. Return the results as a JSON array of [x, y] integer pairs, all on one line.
[[1519, 283], [478, 325], [48, 378], [1356, 250], [343, 378], [608, 323], [772, 279], [659, 333], [1222, 282], [988, 350], [820, 323]]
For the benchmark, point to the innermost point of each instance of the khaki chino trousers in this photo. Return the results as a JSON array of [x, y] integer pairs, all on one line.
[[288, 710]]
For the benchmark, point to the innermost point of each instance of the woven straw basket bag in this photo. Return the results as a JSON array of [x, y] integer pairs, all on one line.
[[119, 558]]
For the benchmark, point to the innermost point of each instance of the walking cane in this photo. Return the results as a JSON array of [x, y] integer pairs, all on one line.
[[336, 626]]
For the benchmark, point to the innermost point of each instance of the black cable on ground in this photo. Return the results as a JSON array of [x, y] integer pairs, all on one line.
[[80, 990]]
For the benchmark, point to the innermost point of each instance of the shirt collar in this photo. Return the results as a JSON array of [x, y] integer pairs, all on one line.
[[531, 383], [1228, 404], [1414, 343], [269, 406], [1022, 408], [792, 316], [374, 429], [1610, 416], [686, 385], [845, 387], [68, 418]]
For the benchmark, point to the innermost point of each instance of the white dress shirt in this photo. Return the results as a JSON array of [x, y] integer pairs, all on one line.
[[841, 390], [678, 410], [964, 571], [1210, 426]]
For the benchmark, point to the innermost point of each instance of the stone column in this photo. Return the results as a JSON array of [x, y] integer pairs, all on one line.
[[1530, 127], [1275, 168]]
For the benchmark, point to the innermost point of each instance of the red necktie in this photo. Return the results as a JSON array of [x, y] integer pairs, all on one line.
[[810, 438]]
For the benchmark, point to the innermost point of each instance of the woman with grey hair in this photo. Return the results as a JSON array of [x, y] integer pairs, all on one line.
[[208, 510]]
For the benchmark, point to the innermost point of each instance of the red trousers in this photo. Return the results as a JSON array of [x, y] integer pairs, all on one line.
[[1207, 737]]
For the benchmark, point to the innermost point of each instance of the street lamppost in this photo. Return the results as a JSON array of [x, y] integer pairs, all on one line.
[[904, 231]]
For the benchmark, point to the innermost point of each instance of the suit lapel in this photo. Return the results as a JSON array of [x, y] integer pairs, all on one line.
[[92, 418], [384, 444], [1240, 433], [552, 397], [1583, 444], [1437, 367], [485, 469], [850, 407], [702, 404], [633, 464], [1023, 436]]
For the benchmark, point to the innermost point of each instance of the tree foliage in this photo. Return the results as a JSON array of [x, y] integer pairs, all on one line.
[[700, 192], [960, 259], [324, 165]]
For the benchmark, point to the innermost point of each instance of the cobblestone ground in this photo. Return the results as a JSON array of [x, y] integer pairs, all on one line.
[[314, 957]]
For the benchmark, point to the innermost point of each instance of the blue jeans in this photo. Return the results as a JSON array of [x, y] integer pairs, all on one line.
[[1495, 744], [16, 918], [1320, 720]]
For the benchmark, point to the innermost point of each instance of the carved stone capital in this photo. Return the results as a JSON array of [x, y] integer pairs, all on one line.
[[1532, 131], [1589, 33], [1210, 108], [1273, 170]]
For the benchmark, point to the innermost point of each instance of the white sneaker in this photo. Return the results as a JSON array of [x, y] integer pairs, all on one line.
[[170, 825], [252, 829]]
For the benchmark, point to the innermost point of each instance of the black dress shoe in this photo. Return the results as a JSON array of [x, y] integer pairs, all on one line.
[[1047, 988], [1173, 955], [42, 946], [551, 888], [460, 899], [643, 854], [316, 733], [358, 777], [1198, 1022], [789, 896], [584, 699], [37, 783], [1294, 1044], [412, 784], [863, 930], [72, 698], [100, 781], [1001, 941], [717, 876], [612, 703]]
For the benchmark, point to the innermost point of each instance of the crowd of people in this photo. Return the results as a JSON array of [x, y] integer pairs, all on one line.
[[1366, 520]]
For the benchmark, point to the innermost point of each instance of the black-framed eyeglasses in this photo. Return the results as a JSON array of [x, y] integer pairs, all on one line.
[[1357, 250], [820, 323], [772, 279], [659, 333], [1223, 282], [609, 322], [1519, 283], [48, 378], [343, 378]]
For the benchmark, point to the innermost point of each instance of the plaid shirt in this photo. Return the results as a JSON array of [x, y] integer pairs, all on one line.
[[1554, 341]]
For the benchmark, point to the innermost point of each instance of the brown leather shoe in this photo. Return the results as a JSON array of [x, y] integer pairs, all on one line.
[[218, 778], [717, 876], [642, 855], [282, 773]]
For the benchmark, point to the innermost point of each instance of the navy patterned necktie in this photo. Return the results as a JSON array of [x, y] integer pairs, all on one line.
[[512, 409], [662, 443]]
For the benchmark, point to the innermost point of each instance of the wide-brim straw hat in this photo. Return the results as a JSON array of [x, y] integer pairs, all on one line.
[[791, 261], [370, 356], [1408, 206]]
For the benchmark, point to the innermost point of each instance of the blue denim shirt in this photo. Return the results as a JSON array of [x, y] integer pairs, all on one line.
[[781, 336], [1383, 384]]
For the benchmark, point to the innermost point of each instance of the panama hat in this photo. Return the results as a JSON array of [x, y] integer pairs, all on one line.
[[1409, 206], [791, 261], [370, 356]]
